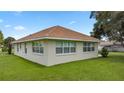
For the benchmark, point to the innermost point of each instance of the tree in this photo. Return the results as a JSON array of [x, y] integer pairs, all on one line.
[[98, 31], [1, 38], [110, 24], [99, 26], [8, 45]]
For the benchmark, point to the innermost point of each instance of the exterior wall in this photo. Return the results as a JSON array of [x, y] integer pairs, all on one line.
[[118, 49], [54, 58], [112, 48], [35, 57], [100, 47], [49, 57]]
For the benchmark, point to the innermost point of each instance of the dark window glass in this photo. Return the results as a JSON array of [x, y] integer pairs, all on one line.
[[89, 48], [41, 49], [93, 49], [84, 49], [59, 50], [20, 45], [66, 49], [25, 48]]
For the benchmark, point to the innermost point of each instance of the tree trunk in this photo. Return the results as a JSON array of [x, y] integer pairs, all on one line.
[[122, 43], [9, 49]]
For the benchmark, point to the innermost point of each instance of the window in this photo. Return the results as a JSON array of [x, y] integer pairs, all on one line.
[[65, 47], [88, 46], [37, 47], [17, 47], [20, 45], [59, 47], [25, 46], [72, 47]]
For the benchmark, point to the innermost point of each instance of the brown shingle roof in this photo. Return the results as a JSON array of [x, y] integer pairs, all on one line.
[[58, 32]]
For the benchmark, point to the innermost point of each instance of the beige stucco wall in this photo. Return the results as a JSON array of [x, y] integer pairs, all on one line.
[[34, 57], [50, 57], [54, 58]]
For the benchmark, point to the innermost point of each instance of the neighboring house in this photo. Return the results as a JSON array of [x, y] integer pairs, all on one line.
[[56, 45], [104, 44], [111, 46]]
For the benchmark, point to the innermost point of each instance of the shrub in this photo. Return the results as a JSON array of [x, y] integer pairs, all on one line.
[[4, 49], [104, 52]]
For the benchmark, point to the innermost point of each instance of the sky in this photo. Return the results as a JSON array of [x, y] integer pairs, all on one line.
[[18, 24]]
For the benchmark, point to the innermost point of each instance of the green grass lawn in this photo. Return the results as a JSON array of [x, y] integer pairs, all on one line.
[[16, 68]]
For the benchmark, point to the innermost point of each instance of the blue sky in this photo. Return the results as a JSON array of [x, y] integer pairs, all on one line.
[[19, 24]]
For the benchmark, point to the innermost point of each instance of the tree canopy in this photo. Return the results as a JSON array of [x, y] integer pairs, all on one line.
[[8, 41], [109, 24], [1, 38], [8, 45]]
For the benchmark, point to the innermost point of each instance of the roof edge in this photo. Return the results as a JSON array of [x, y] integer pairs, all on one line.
[[52, 38]]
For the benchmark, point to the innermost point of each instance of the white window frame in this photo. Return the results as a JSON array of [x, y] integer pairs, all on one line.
[[59, 45], [17, 47], [20, 46], [37, 44], [25, 48], [65, 44], [90, 46]]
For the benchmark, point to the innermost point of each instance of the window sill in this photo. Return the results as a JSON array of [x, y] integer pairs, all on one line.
[[89, 52], [38, 54], [64, 54]]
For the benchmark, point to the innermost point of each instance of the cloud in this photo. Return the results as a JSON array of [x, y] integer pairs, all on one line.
[[72, 22], [19, 28], [7, 26], [18, 12], [1, 20]]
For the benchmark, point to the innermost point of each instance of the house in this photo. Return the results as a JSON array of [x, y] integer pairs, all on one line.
[[56, 45], [103, 43], [111, 46]]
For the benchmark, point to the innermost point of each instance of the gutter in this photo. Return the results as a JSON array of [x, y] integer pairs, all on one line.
[[53, 38]]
